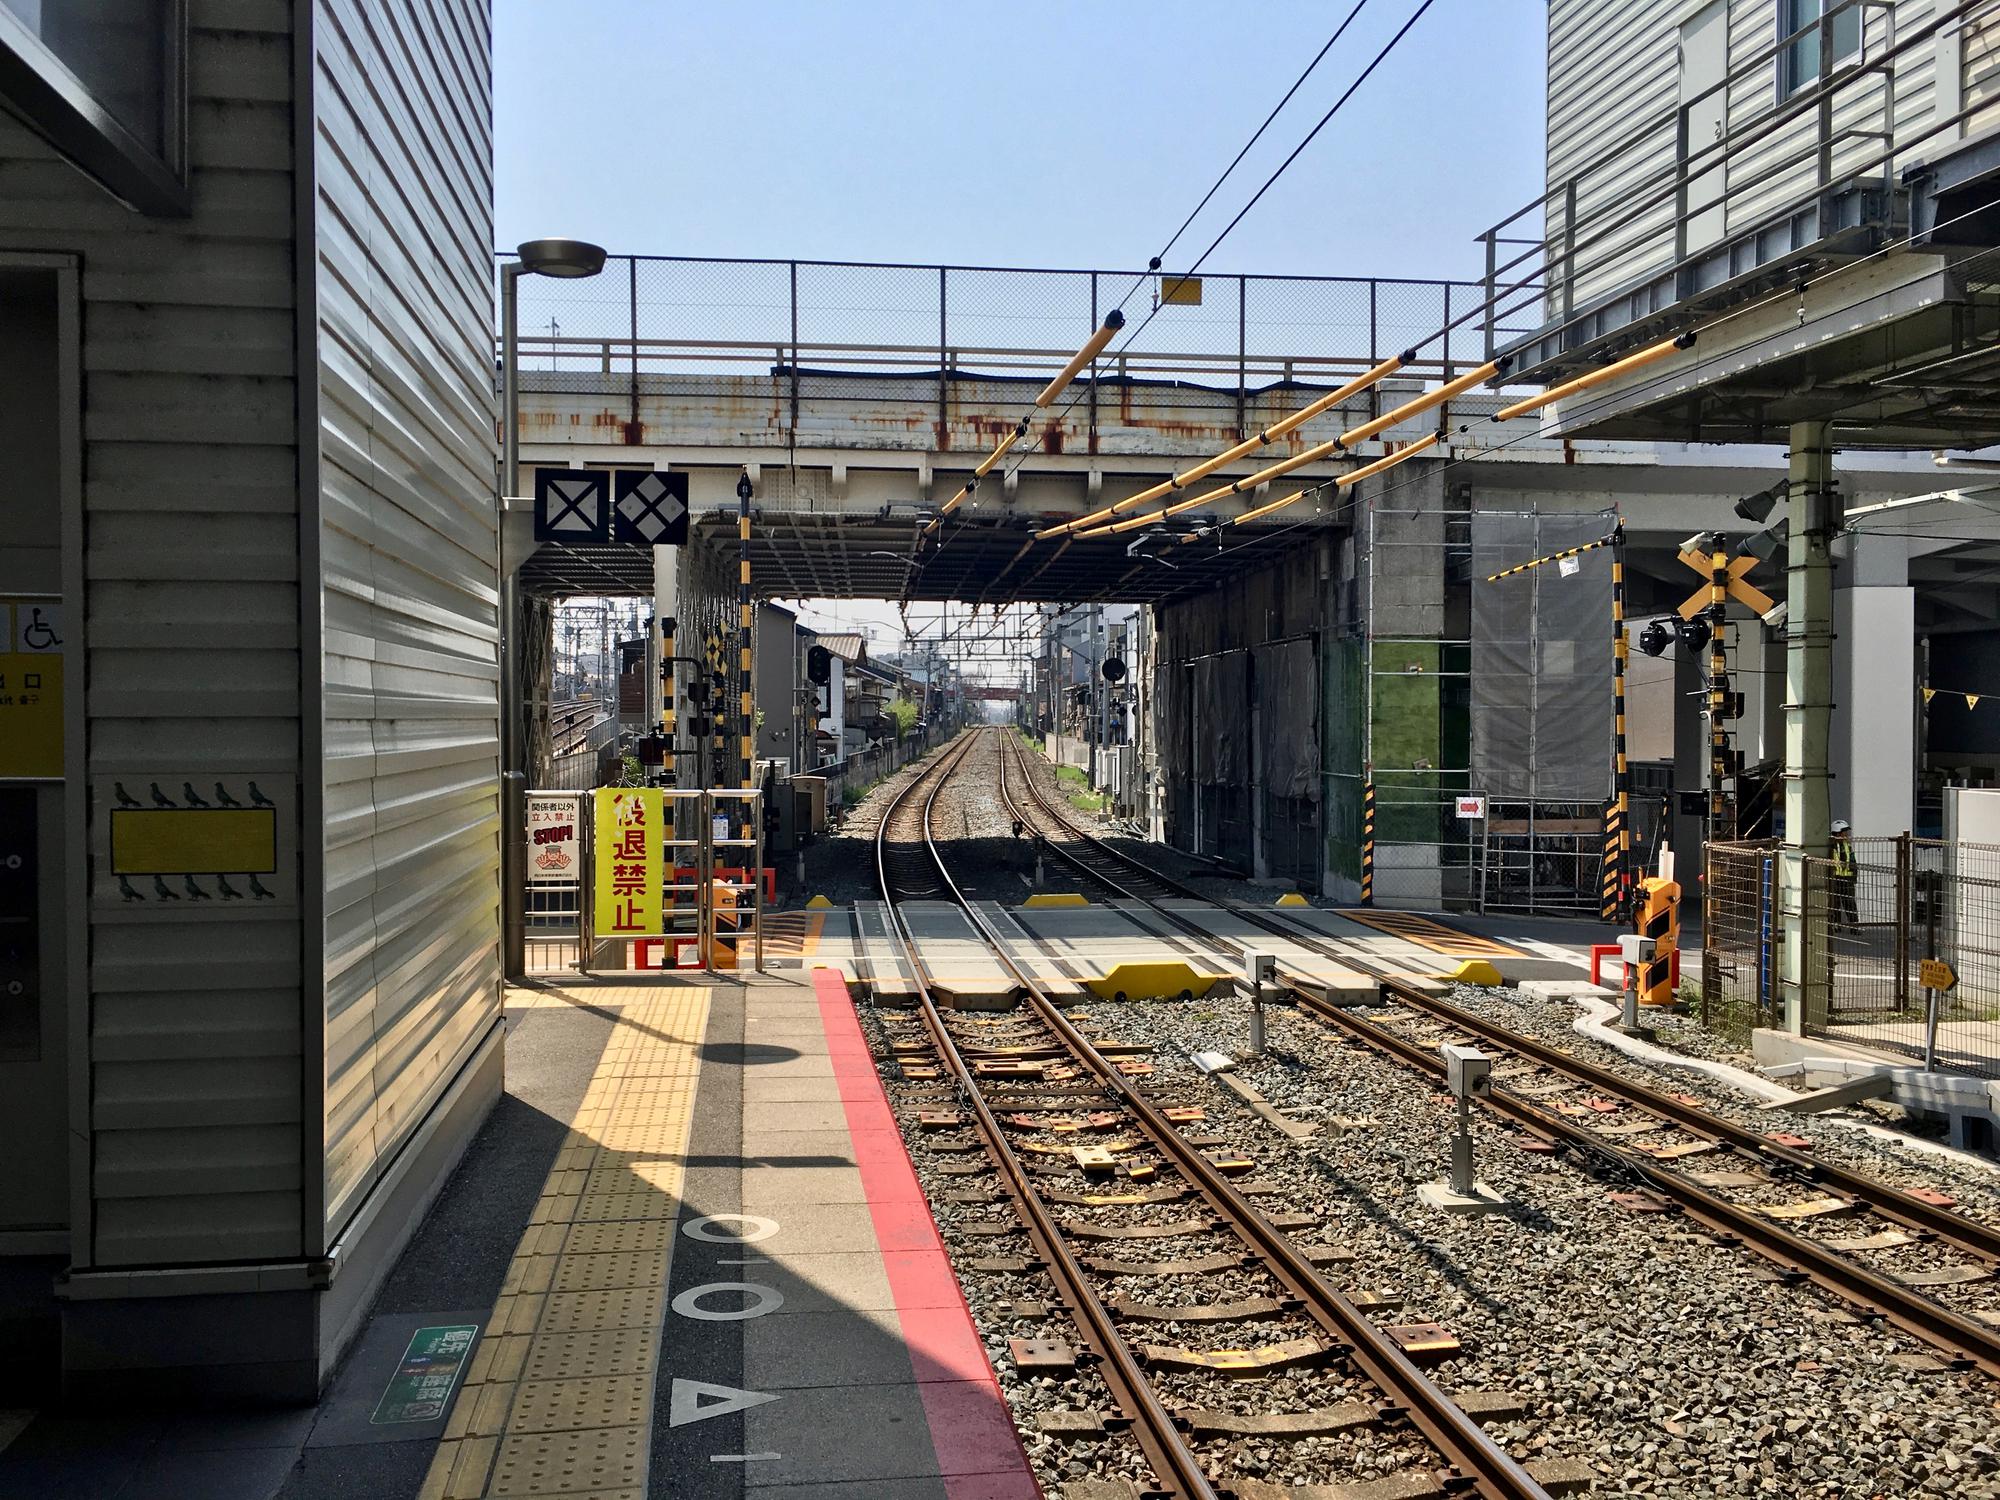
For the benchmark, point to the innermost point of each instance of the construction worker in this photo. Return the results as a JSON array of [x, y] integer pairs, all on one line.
[[1842, 912]]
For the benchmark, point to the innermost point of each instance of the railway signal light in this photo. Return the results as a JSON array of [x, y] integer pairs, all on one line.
[[819, 666], [1693, 634], [1655, 637]]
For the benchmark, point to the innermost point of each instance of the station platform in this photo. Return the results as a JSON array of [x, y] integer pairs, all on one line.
[[687, 1256]]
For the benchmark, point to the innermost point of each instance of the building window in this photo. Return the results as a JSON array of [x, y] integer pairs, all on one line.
[[1798, 62], [105, 82]]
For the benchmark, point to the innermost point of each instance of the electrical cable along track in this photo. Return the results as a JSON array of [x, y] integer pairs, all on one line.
[[1919, 1266], [1112, 1195]]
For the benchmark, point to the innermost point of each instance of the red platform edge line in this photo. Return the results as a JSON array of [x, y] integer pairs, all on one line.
[[979, 1452]]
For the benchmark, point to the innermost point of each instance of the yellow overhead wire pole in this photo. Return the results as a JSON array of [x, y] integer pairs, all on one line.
[[1094, 346], [1416, 406], [1651, 354], [1208, 466]]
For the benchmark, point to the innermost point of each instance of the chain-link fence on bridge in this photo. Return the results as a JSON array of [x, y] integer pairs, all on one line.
[[650, 316]]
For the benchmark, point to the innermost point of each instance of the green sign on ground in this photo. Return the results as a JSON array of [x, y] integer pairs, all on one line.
[[422, 1384]]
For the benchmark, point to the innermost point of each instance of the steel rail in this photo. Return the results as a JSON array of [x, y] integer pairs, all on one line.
[[1462, 1441], [1173, 1463], [1928, 1319]]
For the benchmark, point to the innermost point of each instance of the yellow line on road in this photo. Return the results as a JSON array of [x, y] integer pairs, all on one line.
[[559, 1399]]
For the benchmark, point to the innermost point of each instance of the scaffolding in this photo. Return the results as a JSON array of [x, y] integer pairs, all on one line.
[[1488, 727]]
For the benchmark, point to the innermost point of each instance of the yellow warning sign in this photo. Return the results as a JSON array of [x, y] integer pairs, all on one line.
[[631, 833], [1936, 974], [194, 841], [31, 689]]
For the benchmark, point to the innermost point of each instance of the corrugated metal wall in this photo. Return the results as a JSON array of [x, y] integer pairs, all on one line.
[[1789, 154], [1979, 69], [404, 163], [191, 494], [1613, 66]]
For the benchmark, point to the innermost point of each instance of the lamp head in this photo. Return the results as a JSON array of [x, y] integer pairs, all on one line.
[[567, 259], [743, 486], [1757, 508], [1654, 638]]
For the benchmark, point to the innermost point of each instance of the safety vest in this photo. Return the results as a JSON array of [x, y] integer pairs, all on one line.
[[1843, 857]]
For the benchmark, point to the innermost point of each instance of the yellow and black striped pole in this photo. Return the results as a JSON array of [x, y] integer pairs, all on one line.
[[1617, 888], [667, 714], [1368, 842], [1616, 539], [745, 624], [1721, 816]]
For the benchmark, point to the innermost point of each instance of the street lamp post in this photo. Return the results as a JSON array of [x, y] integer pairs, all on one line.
[[565, 259]]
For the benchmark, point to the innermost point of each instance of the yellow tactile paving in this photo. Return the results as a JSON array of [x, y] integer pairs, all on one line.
[[558, 1399]]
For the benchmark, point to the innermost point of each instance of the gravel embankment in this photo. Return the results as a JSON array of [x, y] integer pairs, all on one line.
[[1672, 1364]]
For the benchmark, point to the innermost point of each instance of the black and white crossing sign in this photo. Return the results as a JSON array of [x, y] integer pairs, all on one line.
[[573, 505], [650, 509]]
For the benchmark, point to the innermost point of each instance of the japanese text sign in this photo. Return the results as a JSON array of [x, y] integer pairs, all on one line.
[[630, 832]]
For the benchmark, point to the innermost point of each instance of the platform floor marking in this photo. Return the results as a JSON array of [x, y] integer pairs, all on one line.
[[1427, 932], [559, 1399]]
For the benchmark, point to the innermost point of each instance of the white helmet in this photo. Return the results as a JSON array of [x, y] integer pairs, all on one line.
[[1841, 825]]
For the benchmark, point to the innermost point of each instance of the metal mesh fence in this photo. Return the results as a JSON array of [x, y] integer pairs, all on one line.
[[1739, 961], [1883, 910]]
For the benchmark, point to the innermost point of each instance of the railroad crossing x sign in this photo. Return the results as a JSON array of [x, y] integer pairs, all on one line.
[[1743, 593]]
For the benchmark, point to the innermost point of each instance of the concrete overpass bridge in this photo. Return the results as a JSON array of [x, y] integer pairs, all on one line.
[[860, 396]]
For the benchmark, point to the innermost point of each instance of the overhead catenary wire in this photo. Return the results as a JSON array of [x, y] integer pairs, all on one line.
[[1200, 260], [1258, 133]]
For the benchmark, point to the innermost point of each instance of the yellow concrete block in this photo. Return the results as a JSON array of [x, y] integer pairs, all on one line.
[[1166, 980], [1293, 898], [1476, 971], [1056, 898], [819, 903]]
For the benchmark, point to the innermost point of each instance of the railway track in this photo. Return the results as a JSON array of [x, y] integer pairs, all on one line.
[[570, 724], [1894, 1254], [1114, 1171]]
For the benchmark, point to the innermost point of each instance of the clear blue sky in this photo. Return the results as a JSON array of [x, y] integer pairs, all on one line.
[[1075, 134], [1078, 134]]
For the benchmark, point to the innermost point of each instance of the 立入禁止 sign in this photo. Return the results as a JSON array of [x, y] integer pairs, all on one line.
[[552, 836], [629, 831]]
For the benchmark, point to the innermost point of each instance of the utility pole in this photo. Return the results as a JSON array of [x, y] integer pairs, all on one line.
[[1812, 509]]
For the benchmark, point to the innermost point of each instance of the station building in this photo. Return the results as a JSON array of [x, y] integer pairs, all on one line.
[[248, 748]]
